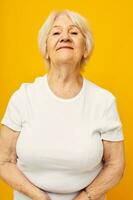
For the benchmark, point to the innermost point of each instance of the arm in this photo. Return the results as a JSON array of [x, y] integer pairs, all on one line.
[[113, 169], [9, 171]]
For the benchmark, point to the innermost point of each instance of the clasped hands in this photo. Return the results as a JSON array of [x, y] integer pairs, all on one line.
[[81, 196], [44, 196]]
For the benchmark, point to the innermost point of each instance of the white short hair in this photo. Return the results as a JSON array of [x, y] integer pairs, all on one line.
[[78, 20]]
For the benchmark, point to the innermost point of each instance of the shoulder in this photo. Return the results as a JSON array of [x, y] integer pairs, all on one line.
[[24, 91], [99, 93], [29, 87]]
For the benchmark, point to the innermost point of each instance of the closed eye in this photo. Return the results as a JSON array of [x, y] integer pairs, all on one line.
[[75, 33], [56, 33]]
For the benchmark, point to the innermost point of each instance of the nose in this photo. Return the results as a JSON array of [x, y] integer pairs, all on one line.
[[65, 37]]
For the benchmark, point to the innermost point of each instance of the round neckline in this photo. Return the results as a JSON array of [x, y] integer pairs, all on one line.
[[60, 98]]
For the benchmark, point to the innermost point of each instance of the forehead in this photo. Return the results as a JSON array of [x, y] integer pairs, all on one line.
[[62, 21]]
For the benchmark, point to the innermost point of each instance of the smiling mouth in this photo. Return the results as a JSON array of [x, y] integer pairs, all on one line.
[[65, 48]]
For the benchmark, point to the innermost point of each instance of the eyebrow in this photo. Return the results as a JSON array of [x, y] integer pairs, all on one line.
[[72, 25], [61, 26]]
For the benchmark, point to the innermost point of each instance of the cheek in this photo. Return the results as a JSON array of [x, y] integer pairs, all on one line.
[[51, 44], [80, 48], [80, 43]]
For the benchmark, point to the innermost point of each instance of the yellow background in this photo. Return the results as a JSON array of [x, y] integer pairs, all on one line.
[[110, 65]]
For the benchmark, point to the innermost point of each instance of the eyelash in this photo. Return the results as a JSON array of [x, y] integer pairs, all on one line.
[[55, 33], [75, 33]]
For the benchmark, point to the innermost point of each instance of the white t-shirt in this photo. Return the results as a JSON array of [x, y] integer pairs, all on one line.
[[60, 145]]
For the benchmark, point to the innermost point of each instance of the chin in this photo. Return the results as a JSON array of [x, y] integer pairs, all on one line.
[[65, 58]]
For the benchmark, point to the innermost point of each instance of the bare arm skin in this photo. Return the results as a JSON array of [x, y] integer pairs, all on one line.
[[112, 172], [9, 171]]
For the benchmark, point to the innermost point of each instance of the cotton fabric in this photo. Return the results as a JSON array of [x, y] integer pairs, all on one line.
[[60, 147]]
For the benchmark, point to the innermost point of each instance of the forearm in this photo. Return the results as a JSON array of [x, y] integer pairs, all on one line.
[[11, 174], [108, 177]]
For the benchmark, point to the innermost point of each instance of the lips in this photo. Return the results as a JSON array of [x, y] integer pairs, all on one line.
[[66, 47]]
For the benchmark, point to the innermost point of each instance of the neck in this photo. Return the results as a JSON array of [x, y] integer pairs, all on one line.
[[64, 76]]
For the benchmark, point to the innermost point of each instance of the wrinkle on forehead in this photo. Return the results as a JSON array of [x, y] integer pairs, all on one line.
[[72, 25], [59, 19]]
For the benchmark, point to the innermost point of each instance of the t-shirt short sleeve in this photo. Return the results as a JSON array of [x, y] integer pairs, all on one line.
[[13, 113], [112, 126]]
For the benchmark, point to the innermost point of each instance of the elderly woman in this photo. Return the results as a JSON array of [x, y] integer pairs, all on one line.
[[61, 135]]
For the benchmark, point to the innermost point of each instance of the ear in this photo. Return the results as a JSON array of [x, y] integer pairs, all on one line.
[[46, 52], [86, 53], [47, 57]]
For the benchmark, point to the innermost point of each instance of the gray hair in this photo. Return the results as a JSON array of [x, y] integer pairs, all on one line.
[[78, 20]]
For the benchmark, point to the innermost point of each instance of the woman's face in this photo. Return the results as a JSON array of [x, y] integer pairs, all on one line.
[[65, 42]]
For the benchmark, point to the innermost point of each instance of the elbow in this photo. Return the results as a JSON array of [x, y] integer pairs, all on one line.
[[117, 169], [120, 170]]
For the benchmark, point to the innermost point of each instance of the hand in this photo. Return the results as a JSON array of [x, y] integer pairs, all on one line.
[[43, 196], [81, 196]]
